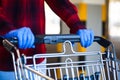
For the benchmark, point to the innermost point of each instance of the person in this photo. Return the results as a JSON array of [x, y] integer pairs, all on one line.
[[25, 18]]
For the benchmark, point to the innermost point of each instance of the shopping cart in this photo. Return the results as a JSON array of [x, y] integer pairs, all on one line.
[[105, 66]]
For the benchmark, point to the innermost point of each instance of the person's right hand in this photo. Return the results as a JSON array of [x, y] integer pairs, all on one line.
[[24, 35]]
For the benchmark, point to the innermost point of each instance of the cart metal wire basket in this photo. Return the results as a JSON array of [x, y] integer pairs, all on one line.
[[105, 66]]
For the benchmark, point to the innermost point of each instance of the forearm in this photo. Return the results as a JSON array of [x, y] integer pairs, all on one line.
[[75, 24], [67, 12]]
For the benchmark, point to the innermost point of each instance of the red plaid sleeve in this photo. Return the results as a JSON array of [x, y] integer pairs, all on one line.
[[68, 13]]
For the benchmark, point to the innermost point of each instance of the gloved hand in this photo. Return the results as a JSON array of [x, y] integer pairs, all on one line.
[[25, 37], [86, 37]]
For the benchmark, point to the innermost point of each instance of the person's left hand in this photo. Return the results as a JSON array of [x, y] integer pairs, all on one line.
[[86, 37]]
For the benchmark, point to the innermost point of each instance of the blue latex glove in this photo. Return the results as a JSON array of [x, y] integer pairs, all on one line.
[[25, 37], [86, 37]]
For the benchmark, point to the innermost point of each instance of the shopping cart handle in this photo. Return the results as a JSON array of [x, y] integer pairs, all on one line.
[[1, 39], [103, 42], [7, 44], [54, 39]]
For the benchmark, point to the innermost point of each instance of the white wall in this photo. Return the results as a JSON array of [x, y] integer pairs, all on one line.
[[90, 1]]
